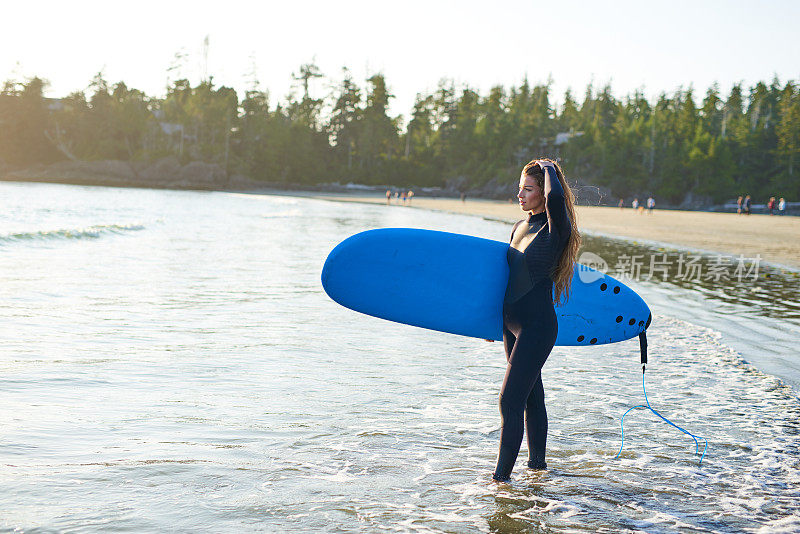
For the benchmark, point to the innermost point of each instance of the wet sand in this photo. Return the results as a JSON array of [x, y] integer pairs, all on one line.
[[776, 239]]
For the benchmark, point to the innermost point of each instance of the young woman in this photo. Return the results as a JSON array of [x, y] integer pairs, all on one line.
[[541, 258]]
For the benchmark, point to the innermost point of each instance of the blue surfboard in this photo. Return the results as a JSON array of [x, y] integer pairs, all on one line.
[[456, 283]]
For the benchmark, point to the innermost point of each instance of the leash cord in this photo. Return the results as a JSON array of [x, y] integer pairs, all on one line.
[[694, 437]]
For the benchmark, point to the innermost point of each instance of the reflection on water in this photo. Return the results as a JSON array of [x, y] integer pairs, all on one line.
[[754, 305], [764, 289]]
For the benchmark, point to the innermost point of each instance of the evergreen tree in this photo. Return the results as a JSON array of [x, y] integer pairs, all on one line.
[[788, 131], [378, 141], [345, 121], [24, 119]]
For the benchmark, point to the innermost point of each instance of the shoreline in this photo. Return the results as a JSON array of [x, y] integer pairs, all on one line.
[[776, 239]]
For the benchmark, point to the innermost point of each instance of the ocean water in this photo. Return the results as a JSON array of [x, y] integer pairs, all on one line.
[[169, 362]]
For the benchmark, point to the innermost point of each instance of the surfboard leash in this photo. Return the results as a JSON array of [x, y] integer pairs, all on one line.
[[643, 350]]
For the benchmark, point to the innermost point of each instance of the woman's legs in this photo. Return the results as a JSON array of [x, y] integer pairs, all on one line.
[[536, 426], [528, 353]]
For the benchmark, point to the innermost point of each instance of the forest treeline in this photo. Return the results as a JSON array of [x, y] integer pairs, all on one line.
[[713, 148]]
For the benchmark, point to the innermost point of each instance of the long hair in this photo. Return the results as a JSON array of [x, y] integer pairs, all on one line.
[[563, 271]]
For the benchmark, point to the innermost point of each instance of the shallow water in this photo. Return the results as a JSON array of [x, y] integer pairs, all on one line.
[[757, 310], [171, 363]]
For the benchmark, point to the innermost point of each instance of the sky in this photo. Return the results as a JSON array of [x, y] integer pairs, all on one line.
[[655, 46]]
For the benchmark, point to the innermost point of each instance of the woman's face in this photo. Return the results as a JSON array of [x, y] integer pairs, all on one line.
[[530, 195]]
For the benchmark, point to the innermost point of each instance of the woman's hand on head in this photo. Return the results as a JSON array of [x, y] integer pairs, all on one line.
[[543, 163]]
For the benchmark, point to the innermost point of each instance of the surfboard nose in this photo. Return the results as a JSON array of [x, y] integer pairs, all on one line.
[[334, 272]]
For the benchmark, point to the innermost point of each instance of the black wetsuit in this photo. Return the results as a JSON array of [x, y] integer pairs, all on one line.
[[530, 327]]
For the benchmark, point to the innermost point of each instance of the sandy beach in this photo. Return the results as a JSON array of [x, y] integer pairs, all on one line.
[[776, 239]]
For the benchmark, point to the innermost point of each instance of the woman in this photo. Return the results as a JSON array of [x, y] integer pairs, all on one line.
[[541, 258]]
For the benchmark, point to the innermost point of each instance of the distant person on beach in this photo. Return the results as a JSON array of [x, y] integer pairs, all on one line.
[[463, 197], [746, 205], [739, 205], [651, 204], [388, 197], [410, 196], [635, 204], [404, 198], [771, 205], [541, 259], [621, 204], [396, 196], [781, 206]]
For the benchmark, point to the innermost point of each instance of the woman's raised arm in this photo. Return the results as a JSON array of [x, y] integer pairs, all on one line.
[[554, 198]]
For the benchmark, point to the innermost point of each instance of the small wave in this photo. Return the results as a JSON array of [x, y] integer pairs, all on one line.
[[89, 232]]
